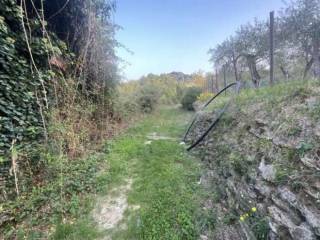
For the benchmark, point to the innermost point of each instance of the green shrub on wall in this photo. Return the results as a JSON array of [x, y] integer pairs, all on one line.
[[24, 91], [19, 114]]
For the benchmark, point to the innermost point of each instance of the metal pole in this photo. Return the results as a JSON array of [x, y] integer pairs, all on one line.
[[224, 78], [217, 81], [212, 83], [271, 47]]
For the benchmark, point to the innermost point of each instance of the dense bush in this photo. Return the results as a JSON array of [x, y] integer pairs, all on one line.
[[137, 97], [190, 96], [126, 106], [147, 98]]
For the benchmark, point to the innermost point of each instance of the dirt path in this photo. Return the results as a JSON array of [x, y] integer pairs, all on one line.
[[109, 210]]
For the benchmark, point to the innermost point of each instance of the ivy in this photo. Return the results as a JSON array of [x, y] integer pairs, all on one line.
[[22, 87]]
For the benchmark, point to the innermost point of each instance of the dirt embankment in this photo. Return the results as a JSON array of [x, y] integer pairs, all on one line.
[[263, 167]]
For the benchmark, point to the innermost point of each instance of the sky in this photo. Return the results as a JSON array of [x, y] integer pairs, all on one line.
[[161, 36]]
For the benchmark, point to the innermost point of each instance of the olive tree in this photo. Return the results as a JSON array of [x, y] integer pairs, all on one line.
[[252, 45], [226, 54], [300, 25]]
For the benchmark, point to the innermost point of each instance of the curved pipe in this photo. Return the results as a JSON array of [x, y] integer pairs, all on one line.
[[200, 139], [204, 106]]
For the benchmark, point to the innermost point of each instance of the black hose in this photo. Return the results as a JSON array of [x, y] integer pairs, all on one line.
[[203, 107], [200, 139]]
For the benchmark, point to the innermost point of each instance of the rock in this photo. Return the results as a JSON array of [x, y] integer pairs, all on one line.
[[311, 162], [317, 131], [261, 122], [295, 218], [315, 194], [312, 216], [311, 102], [246, 230], [204, 237], [281, 218], [262, 188], [228, 233], [4, 218], [267, 171], [302, 232]]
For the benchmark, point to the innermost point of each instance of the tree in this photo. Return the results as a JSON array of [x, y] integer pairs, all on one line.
[[226, 54], [252, 44], [301, 25], [87, 28]]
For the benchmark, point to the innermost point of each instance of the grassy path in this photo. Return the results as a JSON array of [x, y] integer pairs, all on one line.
[[164, 196], [150, 184]]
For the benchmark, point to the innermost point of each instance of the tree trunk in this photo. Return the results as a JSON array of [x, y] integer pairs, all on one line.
[[217, 81], [252, 64], [285, 72], [307, 68], [316, 58], [212, 84], [235, 68]]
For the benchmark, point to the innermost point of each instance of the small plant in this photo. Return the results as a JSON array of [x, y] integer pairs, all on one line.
[[239, 164], [316, 112], [229, 219], [304, 147], [261, 229], [217, 195], [294, 131], [207, 219], [189, 97], [297, 185], [282, 176], [251, 213]]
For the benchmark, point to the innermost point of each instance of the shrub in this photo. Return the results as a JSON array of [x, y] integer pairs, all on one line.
[[189, 97], [126, 106], [147, 98], [203, 97]]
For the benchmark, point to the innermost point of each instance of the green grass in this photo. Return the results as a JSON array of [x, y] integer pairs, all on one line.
[[66, 194], [270, 95], [165, 180], [81, 230], [164, 183]]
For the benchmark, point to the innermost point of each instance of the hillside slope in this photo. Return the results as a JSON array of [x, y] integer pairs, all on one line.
[[263, 164]]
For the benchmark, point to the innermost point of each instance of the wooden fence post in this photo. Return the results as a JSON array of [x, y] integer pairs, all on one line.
[[271, 47], [217, 81], [224, 78]]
